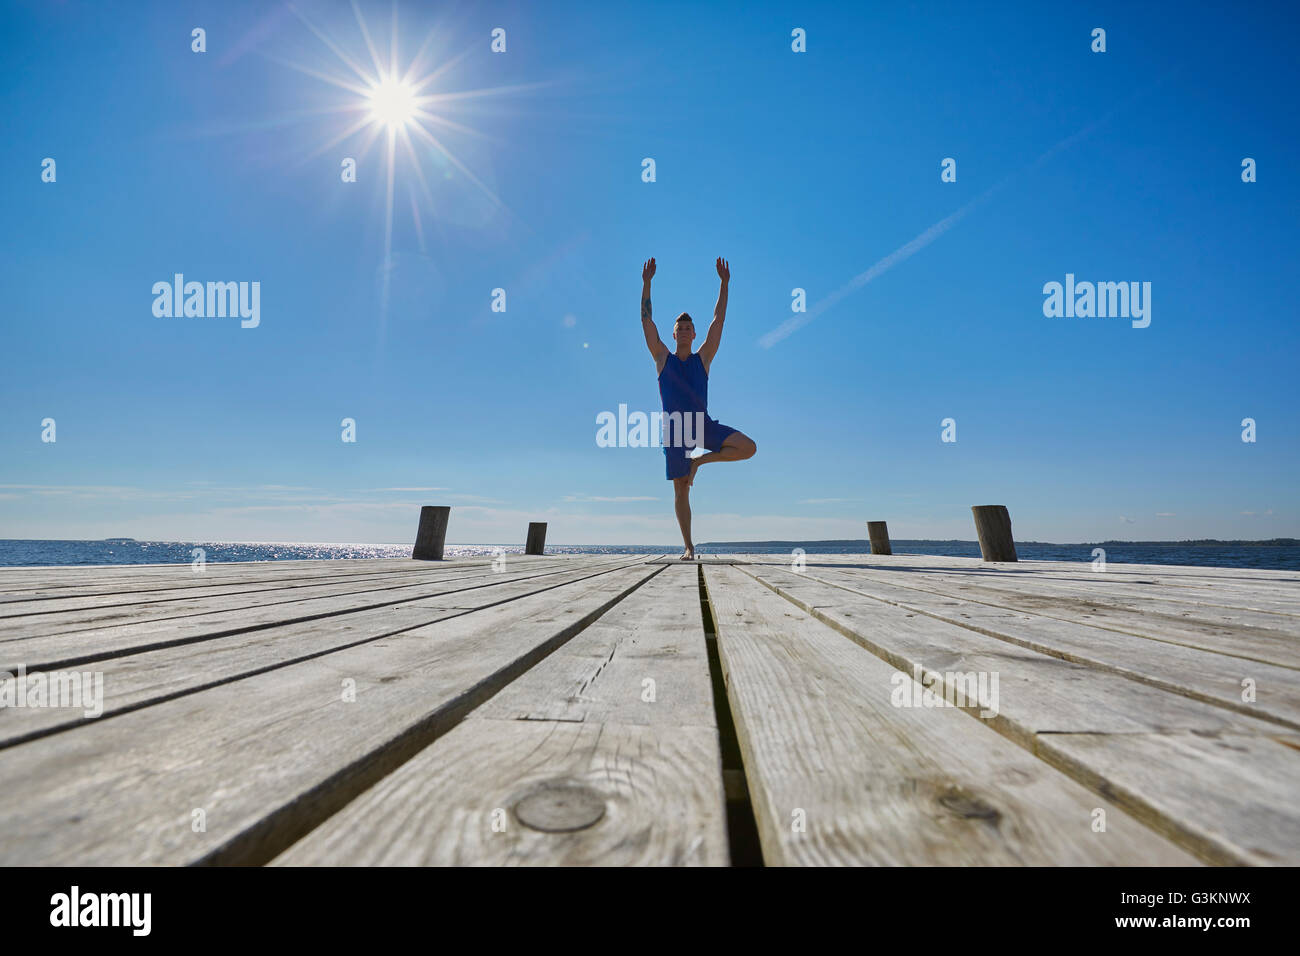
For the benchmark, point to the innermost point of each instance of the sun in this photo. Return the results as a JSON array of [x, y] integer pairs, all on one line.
[[400, 105], [393, 103]]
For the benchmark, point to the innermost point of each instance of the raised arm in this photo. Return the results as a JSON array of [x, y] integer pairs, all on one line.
[[652, 340], [714, 338]]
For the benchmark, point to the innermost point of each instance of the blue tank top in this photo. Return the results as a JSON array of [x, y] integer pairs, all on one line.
[[684, 385]]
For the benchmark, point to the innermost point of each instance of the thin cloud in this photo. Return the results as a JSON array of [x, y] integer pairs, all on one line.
[[194, 491], [614, 498], [405, 489], [115, 492], [903, 252]]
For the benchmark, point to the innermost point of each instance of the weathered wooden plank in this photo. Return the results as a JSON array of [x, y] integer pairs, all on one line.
[[657, 634], [650, 786], [69, 581], [50, 615], [1037, 698], [1202, 675], [61, 616], [1265, 591], [874, 783], [646, 772], [139, 680], [1276, 607], [1172, 575], [1223, 588], [47, 652], [266, 759], [1225, 632], [1193, 788], [1038, 692], [1211, 600], [79, 575], [103, 582], [699, 559]]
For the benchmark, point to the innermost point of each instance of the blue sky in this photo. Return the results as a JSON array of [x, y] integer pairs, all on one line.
[[803, 169]]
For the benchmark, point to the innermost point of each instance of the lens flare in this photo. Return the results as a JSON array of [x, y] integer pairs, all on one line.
[[402, 106], [393, 103]]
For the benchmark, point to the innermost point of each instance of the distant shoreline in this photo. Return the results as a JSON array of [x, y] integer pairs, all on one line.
[[850, 542]]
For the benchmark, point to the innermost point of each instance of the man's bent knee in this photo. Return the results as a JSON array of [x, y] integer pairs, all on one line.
[[743, 444]]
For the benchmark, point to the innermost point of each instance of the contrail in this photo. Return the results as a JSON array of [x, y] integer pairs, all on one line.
[[798, 321]]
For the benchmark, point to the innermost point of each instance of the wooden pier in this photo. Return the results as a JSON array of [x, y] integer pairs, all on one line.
[[616, 710]]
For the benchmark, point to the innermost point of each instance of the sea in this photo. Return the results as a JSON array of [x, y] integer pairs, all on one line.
[[29, 553]]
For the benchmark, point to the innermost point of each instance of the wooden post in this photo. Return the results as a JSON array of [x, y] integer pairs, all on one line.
[[432, 532], [878, 532], [536, 538], [993, 525]]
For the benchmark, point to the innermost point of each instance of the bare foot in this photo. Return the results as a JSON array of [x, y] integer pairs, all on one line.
[[690, 476], [688, 555]]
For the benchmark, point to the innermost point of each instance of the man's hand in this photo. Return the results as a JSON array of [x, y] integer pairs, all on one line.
[[711, 341], [652, 340]]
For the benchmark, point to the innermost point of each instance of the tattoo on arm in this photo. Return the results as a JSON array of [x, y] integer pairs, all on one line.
[[645, 307]]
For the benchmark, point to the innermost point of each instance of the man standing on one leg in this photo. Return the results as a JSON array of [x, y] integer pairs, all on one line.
[[684, 388]]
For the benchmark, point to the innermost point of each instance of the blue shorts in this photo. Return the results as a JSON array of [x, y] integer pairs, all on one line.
[[677, 459]]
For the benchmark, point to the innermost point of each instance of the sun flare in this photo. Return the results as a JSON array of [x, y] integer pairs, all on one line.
[[393, 103], [402, 106]]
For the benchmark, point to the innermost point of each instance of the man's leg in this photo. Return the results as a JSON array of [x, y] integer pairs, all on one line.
[[682, 504], [736, 447]]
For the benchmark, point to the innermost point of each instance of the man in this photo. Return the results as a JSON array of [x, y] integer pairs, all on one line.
[[684, 388]]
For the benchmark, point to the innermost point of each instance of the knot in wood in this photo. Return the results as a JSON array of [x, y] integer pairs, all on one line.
[[560, 807]]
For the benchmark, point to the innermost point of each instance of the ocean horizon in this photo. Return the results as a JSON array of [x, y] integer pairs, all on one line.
[[1271, 554]]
